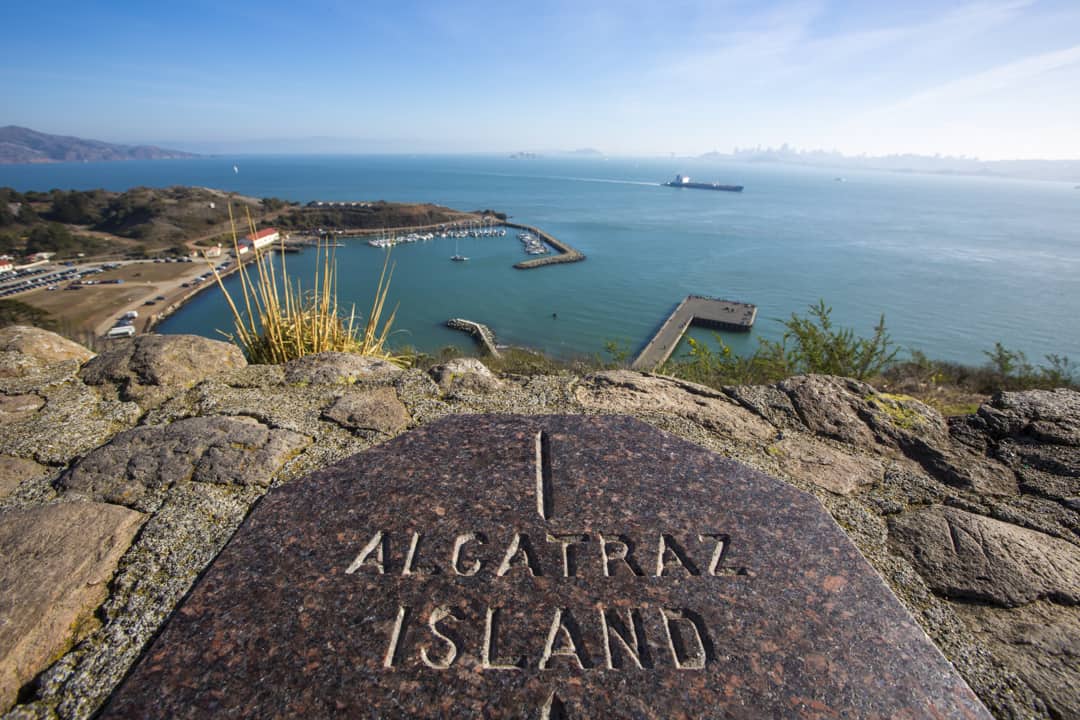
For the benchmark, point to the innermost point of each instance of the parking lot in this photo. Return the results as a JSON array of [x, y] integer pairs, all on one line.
[[95, 298]]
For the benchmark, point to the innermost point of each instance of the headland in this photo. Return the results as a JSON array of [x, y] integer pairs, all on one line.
[[99, 255]]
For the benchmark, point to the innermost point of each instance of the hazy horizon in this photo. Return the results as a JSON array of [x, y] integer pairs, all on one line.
[[993, 79]]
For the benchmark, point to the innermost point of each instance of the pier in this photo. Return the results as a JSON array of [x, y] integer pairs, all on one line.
[[693, 310], [566, 254], [481, 333]]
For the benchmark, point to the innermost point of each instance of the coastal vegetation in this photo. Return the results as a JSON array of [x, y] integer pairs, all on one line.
[[811, 343], [142, 221], [376, 215], [16, 312], [280, 321]]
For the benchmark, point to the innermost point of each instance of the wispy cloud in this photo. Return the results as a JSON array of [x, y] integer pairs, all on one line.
[[786, 41], [1001, 77]]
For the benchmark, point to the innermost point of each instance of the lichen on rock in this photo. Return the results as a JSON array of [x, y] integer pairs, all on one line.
[[221, 450]]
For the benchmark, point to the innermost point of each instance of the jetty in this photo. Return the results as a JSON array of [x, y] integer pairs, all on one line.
[[693, 310], [480, 332], [566, 253]]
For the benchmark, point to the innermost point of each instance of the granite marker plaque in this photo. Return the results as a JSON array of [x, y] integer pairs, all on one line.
[[541, 567]]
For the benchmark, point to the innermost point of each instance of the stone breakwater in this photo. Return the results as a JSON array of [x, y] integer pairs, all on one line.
[[567, 254], [123, 475], [483, 335]]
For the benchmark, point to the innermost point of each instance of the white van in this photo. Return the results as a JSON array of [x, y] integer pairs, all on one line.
[[121, 331], [131, 314]]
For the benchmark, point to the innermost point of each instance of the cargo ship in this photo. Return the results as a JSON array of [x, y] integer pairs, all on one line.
[[682, 181]]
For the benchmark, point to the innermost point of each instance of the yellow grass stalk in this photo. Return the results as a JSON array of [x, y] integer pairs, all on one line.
[[282, 322]]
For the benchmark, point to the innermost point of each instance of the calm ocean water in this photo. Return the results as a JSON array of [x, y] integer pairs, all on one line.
[[955, 263]]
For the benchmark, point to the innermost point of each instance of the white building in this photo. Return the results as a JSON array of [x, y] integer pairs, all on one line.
[[263, 238]]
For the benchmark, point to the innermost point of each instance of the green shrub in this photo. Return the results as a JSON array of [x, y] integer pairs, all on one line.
[[810, 344]]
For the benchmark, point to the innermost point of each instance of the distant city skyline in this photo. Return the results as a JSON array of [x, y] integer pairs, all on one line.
[[993, 79]]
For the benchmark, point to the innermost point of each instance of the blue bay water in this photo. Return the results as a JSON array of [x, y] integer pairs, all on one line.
[[955, 263]]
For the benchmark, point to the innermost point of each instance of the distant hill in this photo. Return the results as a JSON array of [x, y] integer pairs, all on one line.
[[23, 145]]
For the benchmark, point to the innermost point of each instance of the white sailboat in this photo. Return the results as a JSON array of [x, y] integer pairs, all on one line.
[[457, 256]]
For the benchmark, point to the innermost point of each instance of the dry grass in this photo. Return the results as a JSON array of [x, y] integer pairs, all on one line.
[[281, 322], [85, 309]]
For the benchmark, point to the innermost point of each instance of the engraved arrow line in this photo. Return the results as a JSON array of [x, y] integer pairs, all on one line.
[[543, 475]]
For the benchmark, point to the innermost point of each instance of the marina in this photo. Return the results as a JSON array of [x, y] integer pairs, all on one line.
[[566, 253], [390, 238], [693, 310], [534, 241], [952, 261]]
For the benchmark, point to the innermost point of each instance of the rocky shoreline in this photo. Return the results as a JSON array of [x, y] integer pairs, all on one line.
[[123, 475]]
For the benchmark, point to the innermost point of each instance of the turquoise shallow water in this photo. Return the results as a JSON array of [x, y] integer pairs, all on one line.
[[955, 263]]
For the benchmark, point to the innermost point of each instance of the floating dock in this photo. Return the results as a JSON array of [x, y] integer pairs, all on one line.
[[693, 310]]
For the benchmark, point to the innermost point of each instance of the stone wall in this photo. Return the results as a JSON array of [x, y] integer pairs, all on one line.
[[122, 476]]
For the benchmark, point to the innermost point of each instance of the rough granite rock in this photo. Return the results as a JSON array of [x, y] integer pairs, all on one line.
[[370, 413], [57, 560], [15, 408], [853, 412], [829, 406], [150, 368], [73, 420], [338, 368], [625, 391], [298, 408], [1062, 488], [1040, 643], [465, 374], [959, 467], [14, 470], [1051, 416], [222, 450], [38, 380], [971, 557], [253, 376], [1021, 453], [923, 435], [1029, 435], [288, 407], [176, 543], [768, 401], [820, 464], [24, 350]]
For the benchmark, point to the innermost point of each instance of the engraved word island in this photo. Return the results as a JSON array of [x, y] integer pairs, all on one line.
[[541, 567]]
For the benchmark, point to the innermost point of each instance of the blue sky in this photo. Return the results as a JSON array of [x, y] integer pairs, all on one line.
[[993, 79]]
